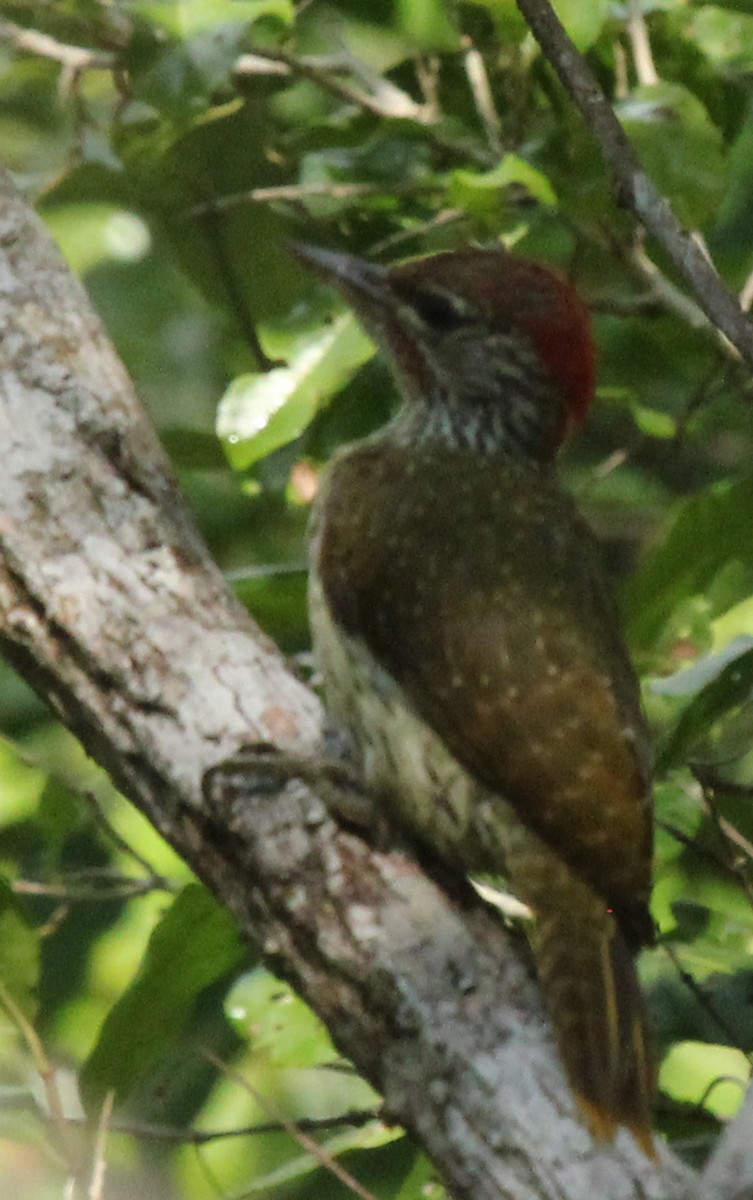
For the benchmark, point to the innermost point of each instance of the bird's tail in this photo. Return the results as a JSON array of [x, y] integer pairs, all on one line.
[[589, 980]]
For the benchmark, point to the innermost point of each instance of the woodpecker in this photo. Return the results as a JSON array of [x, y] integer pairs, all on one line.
[[469, 646]]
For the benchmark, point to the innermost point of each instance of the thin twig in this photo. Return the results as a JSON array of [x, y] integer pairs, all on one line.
[[46, 1073], [703, 852], [99, 1163], [635, 189], [640, 44], [383, 100], [712, 383], [105, 824], [669, 296], [121, 888], [478, 81], [177, 1135], [300, 192], [621, 81], [265, 571], [64, 891], [746, 293], [427, 74], [446, 216], [73, 58], [708, 778], [309, 1144], [733, 1036], [733, 834], [264, 65], [71, 784], [731, 837], [388, 101]]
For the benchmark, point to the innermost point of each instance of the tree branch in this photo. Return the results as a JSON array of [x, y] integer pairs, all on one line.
[[384, 99], [729, 1174], [73, 58], [112, 608], [634, 187]]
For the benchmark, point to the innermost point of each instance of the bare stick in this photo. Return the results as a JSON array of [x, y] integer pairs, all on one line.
[[483, 98], [185, 1136], [634, 187], [384, 100], [645, 67], [75, 58]]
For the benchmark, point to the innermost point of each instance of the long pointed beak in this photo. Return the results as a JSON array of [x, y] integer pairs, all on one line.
[[363, 284], [387, 319]]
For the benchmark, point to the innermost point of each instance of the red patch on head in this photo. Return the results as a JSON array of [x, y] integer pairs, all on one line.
[[557, 322], [527, 296]]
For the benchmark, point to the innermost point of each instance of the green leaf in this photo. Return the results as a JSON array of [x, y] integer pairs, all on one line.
[[193, 449], [653, 423], [583, 21], [195, 944], [734, 226], [261, 412], [680, 147], [283, 1029], [93, 234], [427, 25], [421, 1181], [678, 809], [19, 952], [191, 16], [732, 686], [742, 6], [477, 192], [507, 17], [710, 531], [697, 1071]]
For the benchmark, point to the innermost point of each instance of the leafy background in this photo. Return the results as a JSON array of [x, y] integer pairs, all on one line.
[[173, 169]]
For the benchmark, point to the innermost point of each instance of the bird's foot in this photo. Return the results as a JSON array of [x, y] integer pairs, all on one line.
[[262, 769]]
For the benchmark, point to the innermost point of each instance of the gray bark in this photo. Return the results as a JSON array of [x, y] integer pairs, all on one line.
[[112, 608]]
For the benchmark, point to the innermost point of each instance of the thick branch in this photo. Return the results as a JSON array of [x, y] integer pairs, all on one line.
[[729, 1174], [634, 187], [112, 608]]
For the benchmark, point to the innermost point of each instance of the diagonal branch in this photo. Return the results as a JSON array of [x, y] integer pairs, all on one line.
[[635, 189], [112, 608], [73, 58]]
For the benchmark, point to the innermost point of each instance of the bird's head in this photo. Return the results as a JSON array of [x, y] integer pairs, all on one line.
[[491, 348]]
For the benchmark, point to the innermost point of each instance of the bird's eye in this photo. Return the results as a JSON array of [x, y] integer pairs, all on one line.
[[438, 309]]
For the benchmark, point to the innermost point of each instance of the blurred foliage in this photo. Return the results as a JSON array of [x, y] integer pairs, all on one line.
[[174, 165]]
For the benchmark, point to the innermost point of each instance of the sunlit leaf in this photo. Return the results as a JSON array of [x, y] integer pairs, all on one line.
[[261, 412], [280, 1027], [655, 424], [474, 189], [191, 16], [427, 24], [696, 1072]]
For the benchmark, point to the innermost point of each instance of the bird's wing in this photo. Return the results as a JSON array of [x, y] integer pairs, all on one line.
[[483, 598]]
